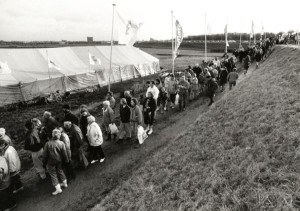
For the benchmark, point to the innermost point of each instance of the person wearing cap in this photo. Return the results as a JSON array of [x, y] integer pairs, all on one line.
[[14, 165], [76, 142], [7, 199], [111, 99], [95, 138], [124, 129], [172, 89], [5, 137], [49, 123], [35, 146], [232, 78], [183, 87], [69, 115], [55, 154], [136, 117], [212, 87], [108, 118], [152, 88], [149, 108]]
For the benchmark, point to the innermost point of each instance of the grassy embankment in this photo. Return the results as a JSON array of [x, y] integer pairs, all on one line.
[[240, 155]]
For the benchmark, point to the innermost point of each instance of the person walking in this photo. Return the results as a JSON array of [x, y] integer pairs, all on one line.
[[14, 164], [135, 117], [223, 78], [149, 107], [172, 89], [108, 118], [124, 129], [95, 138], [55, 154], [83, 123], [183, 87], [247, 63], [7, 199], [232, 78], [152, 88], [212, 87], [35, 146]]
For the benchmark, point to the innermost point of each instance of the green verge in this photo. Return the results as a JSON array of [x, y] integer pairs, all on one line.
[[242, 154]]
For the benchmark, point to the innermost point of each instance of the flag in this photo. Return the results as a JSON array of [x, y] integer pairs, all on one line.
[[127, 31], [262, 30], [178, 38], [4, 68], [52, 65], [208, 29], [93, 60], [225, 32], [252, 30]]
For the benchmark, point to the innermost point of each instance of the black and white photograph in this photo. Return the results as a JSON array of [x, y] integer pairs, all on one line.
[[166, 105]]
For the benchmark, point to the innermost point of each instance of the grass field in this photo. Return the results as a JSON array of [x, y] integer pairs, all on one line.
[[242, 154]]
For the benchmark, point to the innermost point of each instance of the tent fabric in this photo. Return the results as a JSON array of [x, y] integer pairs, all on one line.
[[28, 76]]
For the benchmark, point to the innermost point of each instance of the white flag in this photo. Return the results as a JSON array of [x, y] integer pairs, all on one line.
[[226, 37], [4, 68], [52, 65], [93, 60], [178, 38], [252, 30], [127, 31]]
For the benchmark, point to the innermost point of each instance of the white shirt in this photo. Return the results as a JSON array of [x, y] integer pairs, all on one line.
[[154, 90]]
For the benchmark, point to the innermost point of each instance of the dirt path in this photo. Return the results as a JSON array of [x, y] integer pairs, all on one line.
[[92, 184]]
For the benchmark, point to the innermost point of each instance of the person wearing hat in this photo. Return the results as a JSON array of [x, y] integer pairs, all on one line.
[[183, 87], [7, 200], [5, 137], [95, 138], [35, 146], [212, 87], [55, 155], [232, 78], [49, 123], [69, 115], [124, 129], [14, 165]]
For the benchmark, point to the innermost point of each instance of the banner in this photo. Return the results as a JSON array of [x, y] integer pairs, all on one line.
[[178, 38], [127, 31]]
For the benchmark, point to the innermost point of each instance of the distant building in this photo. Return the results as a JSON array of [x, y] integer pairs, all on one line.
[[90, 39], [63, 42]]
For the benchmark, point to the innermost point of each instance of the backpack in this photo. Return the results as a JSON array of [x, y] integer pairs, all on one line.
[[4, 171]]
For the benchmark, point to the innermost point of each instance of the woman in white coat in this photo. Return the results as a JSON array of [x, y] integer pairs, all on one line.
[[95, 139]]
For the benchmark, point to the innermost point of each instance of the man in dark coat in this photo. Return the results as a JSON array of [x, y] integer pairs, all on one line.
[[49, 123], [223, 78], [69, 116], [212, 87]]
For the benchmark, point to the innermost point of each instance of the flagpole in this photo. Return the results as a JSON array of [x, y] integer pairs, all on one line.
[[48, 71], [173, 56], [111, 47], [205, 51]]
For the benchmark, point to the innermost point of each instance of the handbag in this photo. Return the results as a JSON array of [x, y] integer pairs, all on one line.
[[177, 99], [141, 134], [113, 128]]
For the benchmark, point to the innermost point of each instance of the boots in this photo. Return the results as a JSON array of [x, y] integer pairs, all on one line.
[[64, 184], [57, 190], [151, 130]]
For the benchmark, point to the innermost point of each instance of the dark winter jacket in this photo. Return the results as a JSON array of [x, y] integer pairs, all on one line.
[[149, 105], [70, 117], [55, 153], [32, 141], [50, 125], [125, 113], [76, 139], [212, 86], [223, 76]]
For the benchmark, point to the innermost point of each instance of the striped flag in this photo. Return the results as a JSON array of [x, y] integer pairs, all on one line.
[[178, 38]]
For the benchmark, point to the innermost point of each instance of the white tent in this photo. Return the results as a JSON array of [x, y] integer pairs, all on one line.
[[25, 73]]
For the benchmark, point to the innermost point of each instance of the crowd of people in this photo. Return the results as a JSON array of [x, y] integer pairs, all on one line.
[[58, 148]]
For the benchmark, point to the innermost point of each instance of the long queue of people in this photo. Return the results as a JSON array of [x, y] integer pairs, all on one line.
[[59, 147]]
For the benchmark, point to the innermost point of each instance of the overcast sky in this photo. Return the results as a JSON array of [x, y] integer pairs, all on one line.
[[29, 20]]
